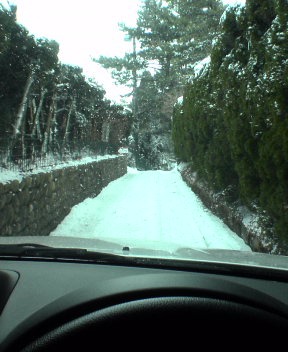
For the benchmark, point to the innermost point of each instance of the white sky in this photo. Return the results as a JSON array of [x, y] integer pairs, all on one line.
[[83, 29]]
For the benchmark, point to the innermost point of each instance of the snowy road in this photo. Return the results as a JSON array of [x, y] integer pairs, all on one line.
[[150, 209]]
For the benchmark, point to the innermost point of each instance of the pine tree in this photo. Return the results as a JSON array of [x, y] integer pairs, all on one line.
[[168, 33], [197, 22], [147, 124]]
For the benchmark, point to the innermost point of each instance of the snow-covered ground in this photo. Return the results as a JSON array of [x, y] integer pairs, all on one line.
[[149, 209]]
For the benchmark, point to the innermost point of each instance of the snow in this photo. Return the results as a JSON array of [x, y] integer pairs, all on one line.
[[7, 176], [123, 150], [180, 100], [201, 65], [151, 210], [236, 7]]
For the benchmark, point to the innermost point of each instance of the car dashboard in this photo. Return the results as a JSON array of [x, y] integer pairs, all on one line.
[[49, 305]]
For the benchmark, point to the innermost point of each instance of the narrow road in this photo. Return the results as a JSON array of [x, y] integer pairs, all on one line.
[[154, 209]]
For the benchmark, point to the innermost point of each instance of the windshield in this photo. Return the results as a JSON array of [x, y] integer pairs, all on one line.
[[145, 124]]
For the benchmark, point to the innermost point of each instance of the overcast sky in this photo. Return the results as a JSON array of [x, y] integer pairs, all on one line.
[[83, 29]]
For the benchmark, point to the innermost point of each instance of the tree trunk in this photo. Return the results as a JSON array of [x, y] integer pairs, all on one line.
[[23, 106], [36, 126], [72, 107], [134, 77], [47, 133], [105, 131]]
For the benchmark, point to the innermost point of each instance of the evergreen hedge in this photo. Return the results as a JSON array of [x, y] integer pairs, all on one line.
[[233, 123]]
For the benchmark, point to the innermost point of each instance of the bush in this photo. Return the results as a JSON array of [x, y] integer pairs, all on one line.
[[233, 123]]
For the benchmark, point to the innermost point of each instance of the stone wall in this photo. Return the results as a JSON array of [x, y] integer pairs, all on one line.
[[38, 203], [252, 233]]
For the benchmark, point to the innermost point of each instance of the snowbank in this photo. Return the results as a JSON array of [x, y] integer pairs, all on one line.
[[7, 176]]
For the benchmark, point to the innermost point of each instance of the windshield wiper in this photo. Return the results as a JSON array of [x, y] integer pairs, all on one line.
[[29, 250]]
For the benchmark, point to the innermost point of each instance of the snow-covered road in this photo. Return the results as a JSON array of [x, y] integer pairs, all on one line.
[[149, 209]]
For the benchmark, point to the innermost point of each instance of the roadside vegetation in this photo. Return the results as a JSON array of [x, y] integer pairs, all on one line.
[[233, 122], [49, 111], [170, 36], [229, 64]]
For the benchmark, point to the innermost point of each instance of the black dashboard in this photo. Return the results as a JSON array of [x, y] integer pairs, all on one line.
[[54, 305]]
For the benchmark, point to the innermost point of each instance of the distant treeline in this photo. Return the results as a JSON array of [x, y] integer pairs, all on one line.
[[48, 107], [233, 123]]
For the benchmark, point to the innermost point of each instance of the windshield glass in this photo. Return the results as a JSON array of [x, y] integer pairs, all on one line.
[[149, 124]]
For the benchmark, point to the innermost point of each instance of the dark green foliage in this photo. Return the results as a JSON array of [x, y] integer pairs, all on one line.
[[170, 34], [177, 35], [46, 106], [260, 14], [233, 123], [148, 124]]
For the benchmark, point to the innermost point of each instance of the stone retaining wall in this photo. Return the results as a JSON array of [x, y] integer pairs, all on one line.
[[254, 236], [38, 203]]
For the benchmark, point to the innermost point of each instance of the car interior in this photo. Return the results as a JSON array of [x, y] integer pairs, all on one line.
[[65, 304]]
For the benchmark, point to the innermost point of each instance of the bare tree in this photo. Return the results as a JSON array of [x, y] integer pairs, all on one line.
[[23, 106]]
